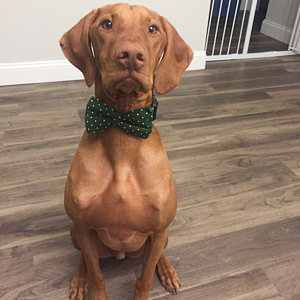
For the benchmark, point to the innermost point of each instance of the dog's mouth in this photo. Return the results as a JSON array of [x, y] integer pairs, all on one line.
[[133, 83], [129, 87], [127, 91]]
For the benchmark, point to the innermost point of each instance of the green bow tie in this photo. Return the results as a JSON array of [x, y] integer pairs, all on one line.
[[99, 116]]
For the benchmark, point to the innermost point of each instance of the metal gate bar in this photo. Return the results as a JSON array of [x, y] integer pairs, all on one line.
[[250, 26], [295, 39], [217, 27], [233, 25], [209, 23], [242, 27], [225, 27]]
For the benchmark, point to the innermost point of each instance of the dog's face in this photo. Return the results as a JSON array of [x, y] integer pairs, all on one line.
[[121, 46]]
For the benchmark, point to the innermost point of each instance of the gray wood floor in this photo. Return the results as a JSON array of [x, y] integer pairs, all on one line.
[[232, 133]]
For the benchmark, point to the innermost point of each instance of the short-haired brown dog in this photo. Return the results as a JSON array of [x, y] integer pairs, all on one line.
[[120, 193]]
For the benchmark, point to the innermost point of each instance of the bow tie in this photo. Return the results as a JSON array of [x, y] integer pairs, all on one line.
[[100, 116]]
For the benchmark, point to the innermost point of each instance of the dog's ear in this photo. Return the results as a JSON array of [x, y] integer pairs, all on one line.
[[76, 46], [176, 58]]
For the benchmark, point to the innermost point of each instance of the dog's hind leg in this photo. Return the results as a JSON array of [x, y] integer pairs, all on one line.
[[167, 275], [79, 284]]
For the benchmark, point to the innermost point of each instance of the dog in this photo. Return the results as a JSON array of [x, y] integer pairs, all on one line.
[[120, 192]]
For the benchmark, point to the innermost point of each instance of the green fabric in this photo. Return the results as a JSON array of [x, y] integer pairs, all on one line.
[[100, 116]]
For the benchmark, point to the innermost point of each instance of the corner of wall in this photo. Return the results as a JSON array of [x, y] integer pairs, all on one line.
[[198, 62], [276, 31]]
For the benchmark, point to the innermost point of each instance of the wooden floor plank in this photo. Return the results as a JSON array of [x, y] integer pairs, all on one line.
[[250, 285], [234, 253], [285, 276]]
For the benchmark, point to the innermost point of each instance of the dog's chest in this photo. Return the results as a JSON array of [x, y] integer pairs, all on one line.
[[126, 213], [111, 186], [131, 201], [125, 197]]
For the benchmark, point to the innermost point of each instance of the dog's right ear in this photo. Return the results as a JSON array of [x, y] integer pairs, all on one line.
[[177, 57], [76, 46]]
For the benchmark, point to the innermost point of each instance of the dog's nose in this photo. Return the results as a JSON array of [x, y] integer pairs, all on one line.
[[131, 57]]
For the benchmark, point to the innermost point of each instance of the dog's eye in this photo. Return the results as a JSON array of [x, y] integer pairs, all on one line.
[[107, 24], [153, 29]]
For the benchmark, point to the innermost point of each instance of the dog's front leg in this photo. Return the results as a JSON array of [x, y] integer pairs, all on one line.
[[153, 250], [88, 245]]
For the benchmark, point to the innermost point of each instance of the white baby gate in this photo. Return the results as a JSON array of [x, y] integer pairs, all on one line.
[[230, 27]]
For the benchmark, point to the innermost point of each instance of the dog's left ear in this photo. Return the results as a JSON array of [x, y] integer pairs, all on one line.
[[177, 57]]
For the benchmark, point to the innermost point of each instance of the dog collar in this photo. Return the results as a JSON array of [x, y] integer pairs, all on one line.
[[100, 116]]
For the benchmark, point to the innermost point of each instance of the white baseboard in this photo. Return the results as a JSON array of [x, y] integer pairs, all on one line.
[[276, 31], [59, 70], [199, 61], [250, 55], [38, 71]]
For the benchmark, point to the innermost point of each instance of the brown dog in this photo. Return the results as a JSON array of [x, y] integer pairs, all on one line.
[[120, 192]]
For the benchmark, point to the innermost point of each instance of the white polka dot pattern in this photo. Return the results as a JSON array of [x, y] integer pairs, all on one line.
[[99, 116]]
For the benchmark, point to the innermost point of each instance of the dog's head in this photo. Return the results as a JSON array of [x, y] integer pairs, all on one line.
[[127, 50]]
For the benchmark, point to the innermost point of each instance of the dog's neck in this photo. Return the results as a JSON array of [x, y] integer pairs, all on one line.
[[121, 147], [118, 145]]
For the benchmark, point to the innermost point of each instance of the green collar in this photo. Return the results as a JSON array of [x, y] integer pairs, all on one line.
[[100, 116]]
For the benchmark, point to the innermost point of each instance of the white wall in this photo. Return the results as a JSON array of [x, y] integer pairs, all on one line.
[[280, 19], [30, 31]]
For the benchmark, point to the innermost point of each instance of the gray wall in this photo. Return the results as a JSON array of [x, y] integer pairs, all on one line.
[[30, 29], [283, 12], [280, 19]]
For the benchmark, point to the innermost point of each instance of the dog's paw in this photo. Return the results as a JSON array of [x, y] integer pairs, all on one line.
[[78, 287], [168, 275], [98, 295], [141, 291]]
